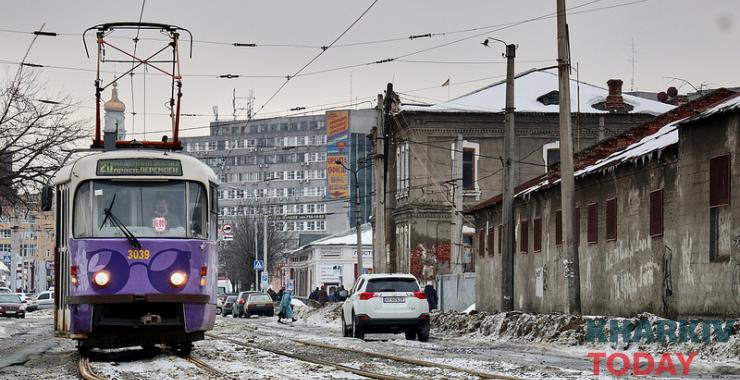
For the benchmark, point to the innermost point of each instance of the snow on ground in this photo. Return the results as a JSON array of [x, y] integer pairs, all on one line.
[[568, 330], [327, 315]]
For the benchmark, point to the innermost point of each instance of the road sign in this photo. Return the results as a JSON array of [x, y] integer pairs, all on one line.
[[264, 279], [6, 259], [259, 265], [227, 232]]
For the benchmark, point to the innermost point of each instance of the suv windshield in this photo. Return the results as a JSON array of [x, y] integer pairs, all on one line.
[[392, 285], [147, 209], [230, 299]]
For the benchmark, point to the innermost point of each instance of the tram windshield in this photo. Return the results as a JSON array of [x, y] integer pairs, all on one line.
[[169, 209]]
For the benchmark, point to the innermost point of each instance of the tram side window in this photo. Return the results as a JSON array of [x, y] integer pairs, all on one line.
[[213, 211], [82, 212], [197, 208]]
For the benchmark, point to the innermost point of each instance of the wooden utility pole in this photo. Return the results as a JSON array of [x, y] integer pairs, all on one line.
[[379, 250], [457, 214], [507, 276], [567, 181]]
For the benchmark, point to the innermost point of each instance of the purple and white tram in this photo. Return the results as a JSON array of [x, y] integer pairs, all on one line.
[[135, 257]]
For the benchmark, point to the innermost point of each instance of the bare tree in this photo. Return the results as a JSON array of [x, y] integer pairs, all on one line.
[[35, 130], [237, 256]]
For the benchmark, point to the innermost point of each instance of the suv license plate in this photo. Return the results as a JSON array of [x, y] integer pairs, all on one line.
[[394, 299]]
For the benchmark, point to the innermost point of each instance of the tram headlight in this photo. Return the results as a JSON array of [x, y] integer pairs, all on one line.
[[101, 278], [178, 279]]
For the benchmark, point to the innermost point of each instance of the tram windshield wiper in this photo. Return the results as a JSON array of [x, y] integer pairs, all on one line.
[[117, 222]]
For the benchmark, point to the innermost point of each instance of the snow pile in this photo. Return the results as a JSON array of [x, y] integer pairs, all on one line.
[[469, 310], [320, 315], [571, 330]]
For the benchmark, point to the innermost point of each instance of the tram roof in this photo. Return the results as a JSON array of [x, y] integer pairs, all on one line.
[[85, 167]]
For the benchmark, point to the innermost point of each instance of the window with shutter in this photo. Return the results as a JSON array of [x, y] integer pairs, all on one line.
[[538, 235], [656, 213], [481, 242], [558, 227], [578, 225], [490, 240], [524, 236], [719, 181], [500, 237], [592, 233], [611, 219]]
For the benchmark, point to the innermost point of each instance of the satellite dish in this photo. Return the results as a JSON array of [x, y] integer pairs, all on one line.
[[672, 92], [662, 97]]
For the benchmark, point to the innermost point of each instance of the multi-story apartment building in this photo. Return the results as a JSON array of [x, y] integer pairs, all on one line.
[[26, 248], [278, 167]]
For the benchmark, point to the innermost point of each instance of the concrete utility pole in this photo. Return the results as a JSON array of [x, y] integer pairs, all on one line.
[[358, 222], [567, 181], [457, 216], [264, 249], [256, 255], [507, 277], [379, 251]]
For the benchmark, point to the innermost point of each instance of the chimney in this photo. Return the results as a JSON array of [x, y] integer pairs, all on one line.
[[614, 101]]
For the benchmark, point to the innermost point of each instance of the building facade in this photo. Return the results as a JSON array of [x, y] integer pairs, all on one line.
[[657, 221], [278, 166], [423, 141], [27, 248], [329, 262]]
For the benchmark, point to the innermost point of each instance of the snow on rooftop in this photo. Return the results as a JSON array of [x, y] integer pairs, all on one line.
[[727, 105], [348, 237], [530, 85], [663, 138]]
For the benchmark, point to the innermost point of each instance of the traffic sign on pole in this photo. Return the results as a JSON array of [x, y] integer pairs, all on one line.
[[259, 265], [6, 259], [264, 279]]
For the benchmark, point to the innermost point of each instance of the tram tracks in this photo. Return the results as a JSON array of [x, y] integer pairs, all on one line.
[[88, 373], [357, 371]]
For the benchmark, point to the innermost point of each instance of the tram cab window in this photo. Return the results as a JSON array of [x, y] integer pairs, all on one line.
[[168, 209]]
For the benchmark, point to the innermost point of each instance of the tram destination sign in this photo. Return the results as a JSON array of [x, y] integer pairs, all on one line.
[[139, 166]]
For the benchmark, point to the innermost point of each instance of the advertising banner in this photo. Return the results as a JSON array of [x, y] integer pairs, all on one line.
[[337, 139]]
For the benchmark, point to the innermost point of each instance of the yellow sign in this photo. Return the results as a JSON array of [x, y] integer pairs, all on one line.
[[337, 177]]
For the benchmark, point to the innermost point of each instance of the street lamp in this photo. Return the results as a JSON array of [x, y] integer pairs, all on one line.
[[358, 217]]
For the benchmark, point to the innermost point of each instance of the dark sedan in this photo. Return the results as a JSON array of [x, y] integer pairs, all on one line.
[[259, 304], [12, 306], [228, 307]]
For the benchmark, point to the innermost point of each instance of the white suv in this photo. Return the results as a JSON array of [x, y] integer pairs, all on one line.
[[386, 303]]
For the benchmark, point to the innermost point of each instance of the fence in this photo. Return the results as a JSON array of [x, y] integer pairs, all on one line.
[[456, 291]]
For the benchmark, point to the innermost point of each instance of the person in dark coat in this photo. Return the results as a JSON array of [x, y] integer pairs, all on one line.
[[431, 294], [280, 294], [314, 295], [323, 296]]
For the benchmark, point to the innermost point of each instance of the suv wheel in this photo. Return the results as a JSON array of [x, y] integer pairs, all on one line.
[[345, 331], [410, 335], [356, 329], [423, 333]]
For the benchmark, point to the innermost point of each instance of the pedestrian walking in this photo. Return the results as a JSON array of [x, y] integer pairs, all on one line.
[[323, 296], [286, 309], [280, 293], [431, 294]]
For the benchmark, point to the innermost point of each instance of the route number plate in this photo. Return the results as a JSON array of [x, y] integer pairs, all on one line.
[[394, 299]]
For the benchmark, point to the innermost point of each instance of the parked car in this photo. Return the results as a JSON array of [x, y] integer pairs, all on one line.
[[43, 300], [219, 306], [259, 304], [386, 303], [3, 290], [12, 306], [241, 299], [25, 297], [228, 307]]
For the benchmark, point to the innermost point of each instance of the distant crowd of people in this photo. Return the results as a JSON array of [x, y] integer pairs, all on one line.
[[322, 296]]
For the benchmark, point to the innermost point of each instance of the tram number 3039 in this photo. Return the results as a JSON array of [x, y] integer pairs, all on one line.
[[138, 254]]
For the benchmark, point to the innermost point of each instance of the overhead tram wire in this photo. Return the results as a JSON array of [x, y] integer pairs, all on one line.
[[131, 76], [287, 79]]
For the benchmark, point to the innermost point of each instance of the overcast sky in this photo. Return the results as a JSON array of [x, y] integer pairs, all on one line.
[[695, 41]]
